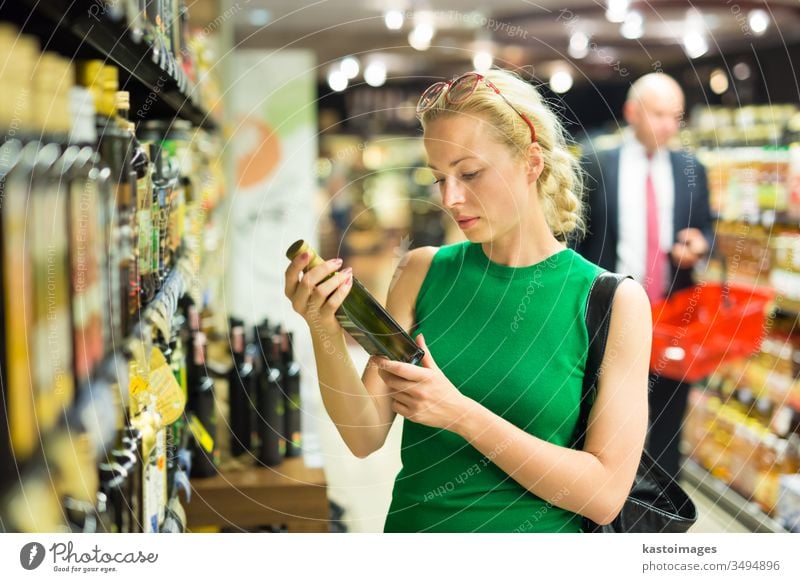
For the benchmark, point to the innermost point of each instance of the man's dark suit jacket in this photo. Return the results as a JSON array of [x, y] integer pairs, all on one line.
[[691, 208]]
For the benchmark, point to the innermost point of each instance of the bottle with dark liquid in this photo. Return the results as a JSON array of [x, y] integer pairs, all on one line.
[[269, 403], [366, 320], [291, 389], [203, 416], [239, 380]]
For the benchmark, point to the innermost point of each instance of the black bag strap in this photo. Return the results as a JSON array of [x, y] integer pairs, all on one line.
[[598, 321]]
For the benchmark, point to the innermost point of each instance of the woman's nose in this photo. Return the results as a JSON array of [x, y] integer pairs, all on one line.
[[452, 193]]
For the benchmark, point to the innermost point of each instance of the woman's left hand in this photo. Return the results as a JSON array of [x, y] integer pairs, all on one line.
[[422, 394]]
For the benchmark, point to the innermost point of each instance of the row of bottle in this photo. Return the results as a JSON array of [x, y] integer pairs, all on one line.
[[166, 434], [752, 155], [754, 184], [129, 480], [738, 449], [758, 255], [92, 223], [264, 394], [162, 24]]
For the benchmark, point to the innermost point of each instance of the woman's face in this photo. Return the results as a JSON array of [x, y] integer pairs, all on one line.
[[483, 186]]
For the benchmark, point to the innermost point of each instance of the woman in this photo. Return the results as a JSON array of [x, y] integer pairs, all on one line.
[[491, 411]]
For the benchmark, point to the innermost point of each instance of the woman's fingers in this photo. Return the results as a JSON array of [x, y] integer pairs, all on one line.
[[305, 288], [401, 369], [401, 408], [328, 286], [397, 383], [335, 299], [315, 276], [293, 274]]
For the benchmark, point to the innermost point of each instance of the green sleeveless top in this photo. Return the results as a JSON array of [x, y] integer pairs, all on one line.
[[513, 339]]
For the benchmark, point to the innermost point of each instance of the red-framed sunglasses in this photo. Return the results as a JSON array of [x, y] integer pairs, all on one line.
[[461, 88]]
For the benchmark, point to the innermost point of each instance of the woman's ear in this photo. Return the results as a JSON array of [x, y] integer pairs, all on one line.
[[534, 162]]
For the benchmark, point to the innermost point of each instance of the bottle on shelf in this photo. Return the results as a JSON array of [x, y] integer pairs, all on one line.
[[51, 327], [128, 206], [291, 388], [18, 153], [86, 227], [239, 391], [269, 401], [100, 80], [365, 319], [202, 417]]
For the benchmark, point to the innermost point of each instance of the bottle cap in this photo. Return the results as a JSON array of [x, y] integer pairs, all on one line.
[[300, 247]]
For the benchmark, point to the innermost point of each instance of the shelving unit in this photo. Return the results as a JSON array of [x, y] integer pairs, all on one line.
[[743, 510], [112, 438], [83, 29]]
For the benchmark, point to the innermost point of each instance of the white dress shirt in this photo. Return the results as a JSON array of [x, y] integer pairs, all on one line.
[[632, 204]]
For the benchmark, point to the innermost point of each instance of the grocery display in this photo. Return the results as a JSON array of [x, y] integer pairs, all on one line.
[[158, 159], [104, 224]]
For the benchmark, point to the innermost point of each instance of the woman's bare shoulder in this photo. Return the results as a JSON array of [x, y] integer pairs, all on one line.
[[409, 276]]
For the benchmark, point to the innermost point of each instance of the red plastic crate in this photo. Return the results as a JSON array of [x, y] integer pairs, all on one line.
[[694, 331]]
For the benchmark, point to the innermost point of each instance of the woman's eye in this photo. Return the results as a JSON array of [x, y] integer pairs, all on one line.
[[438, 181], [470, 176]]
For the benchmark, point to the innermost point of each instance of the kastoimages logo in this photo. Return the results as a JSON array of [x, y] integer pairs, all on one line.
[[31, 556]]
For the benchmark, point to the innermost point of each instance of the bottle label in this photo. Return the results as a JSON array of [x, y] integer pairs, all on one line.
[[201, 434], [363, 339]]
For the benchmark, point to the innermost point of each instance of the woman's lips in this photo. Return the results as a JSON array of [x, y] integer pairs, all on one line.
[[465, 223]]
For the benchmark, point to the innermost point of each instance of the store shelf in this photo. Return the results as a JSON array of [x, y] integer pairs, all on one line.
[[248, 496], [743, 510], [78, 28]]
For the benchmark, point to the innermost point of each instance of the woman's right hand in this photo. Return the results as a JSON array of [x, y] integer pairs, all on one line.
[[315, 298]]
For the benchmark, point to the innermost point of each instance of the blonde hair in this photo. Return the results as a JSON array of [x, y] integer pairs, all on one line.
[[560, 183]]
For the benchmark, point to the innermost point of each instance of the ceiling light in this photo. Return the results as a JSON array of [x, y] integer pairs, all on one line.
[[741, 71], [758, 20], [578, 45], [420, 37], [350, 67], [482, 61], [337, 80], [375, 74], [393, 19], [718, 81], [561, 81], [633, 27], [694, 44], [616, 10]]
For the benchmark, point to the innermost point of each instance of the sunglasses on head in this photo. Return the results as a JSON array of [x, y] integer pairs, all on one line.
[[459, 90]]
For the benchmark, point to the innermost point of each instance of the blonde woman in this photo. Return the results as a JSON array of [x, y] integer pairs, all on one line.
[[490, 413]]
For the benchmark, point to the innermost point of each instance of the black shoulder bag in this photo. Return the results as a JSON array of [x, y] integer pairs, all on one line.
[[656, 502]]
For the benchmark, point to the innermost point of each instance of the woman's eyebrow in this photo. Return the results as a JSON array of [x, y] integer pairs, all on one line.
[[432, 167]]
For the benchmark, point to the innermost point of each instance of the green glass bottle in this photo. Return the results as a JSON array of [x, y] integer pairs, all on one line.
[[366, 320]]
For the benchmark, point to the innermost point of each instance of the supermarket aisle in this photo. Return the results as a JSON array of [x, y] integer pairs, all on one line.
[[711, 518]]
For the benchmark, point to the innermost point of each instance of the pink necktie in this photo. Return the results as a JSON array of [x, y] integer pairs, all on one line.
[[655, 266]]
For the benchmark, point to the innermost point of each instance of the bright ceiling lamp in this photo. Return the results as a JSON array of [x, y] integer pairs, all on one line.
[[578, 45], [337, 80], [375, 74], [350, 67], [616, 10], [633, 27], [482, 61], [561, 81], [695, 45], [718, 81], [393, 19], [758, 21]]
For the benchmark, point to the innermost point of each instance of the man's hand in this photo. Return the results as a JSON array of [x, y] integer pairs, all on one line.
[[690, 248]]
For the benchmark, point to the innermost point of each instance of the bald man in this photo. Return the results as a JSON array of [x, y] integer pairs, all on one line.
[[648, 217]]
